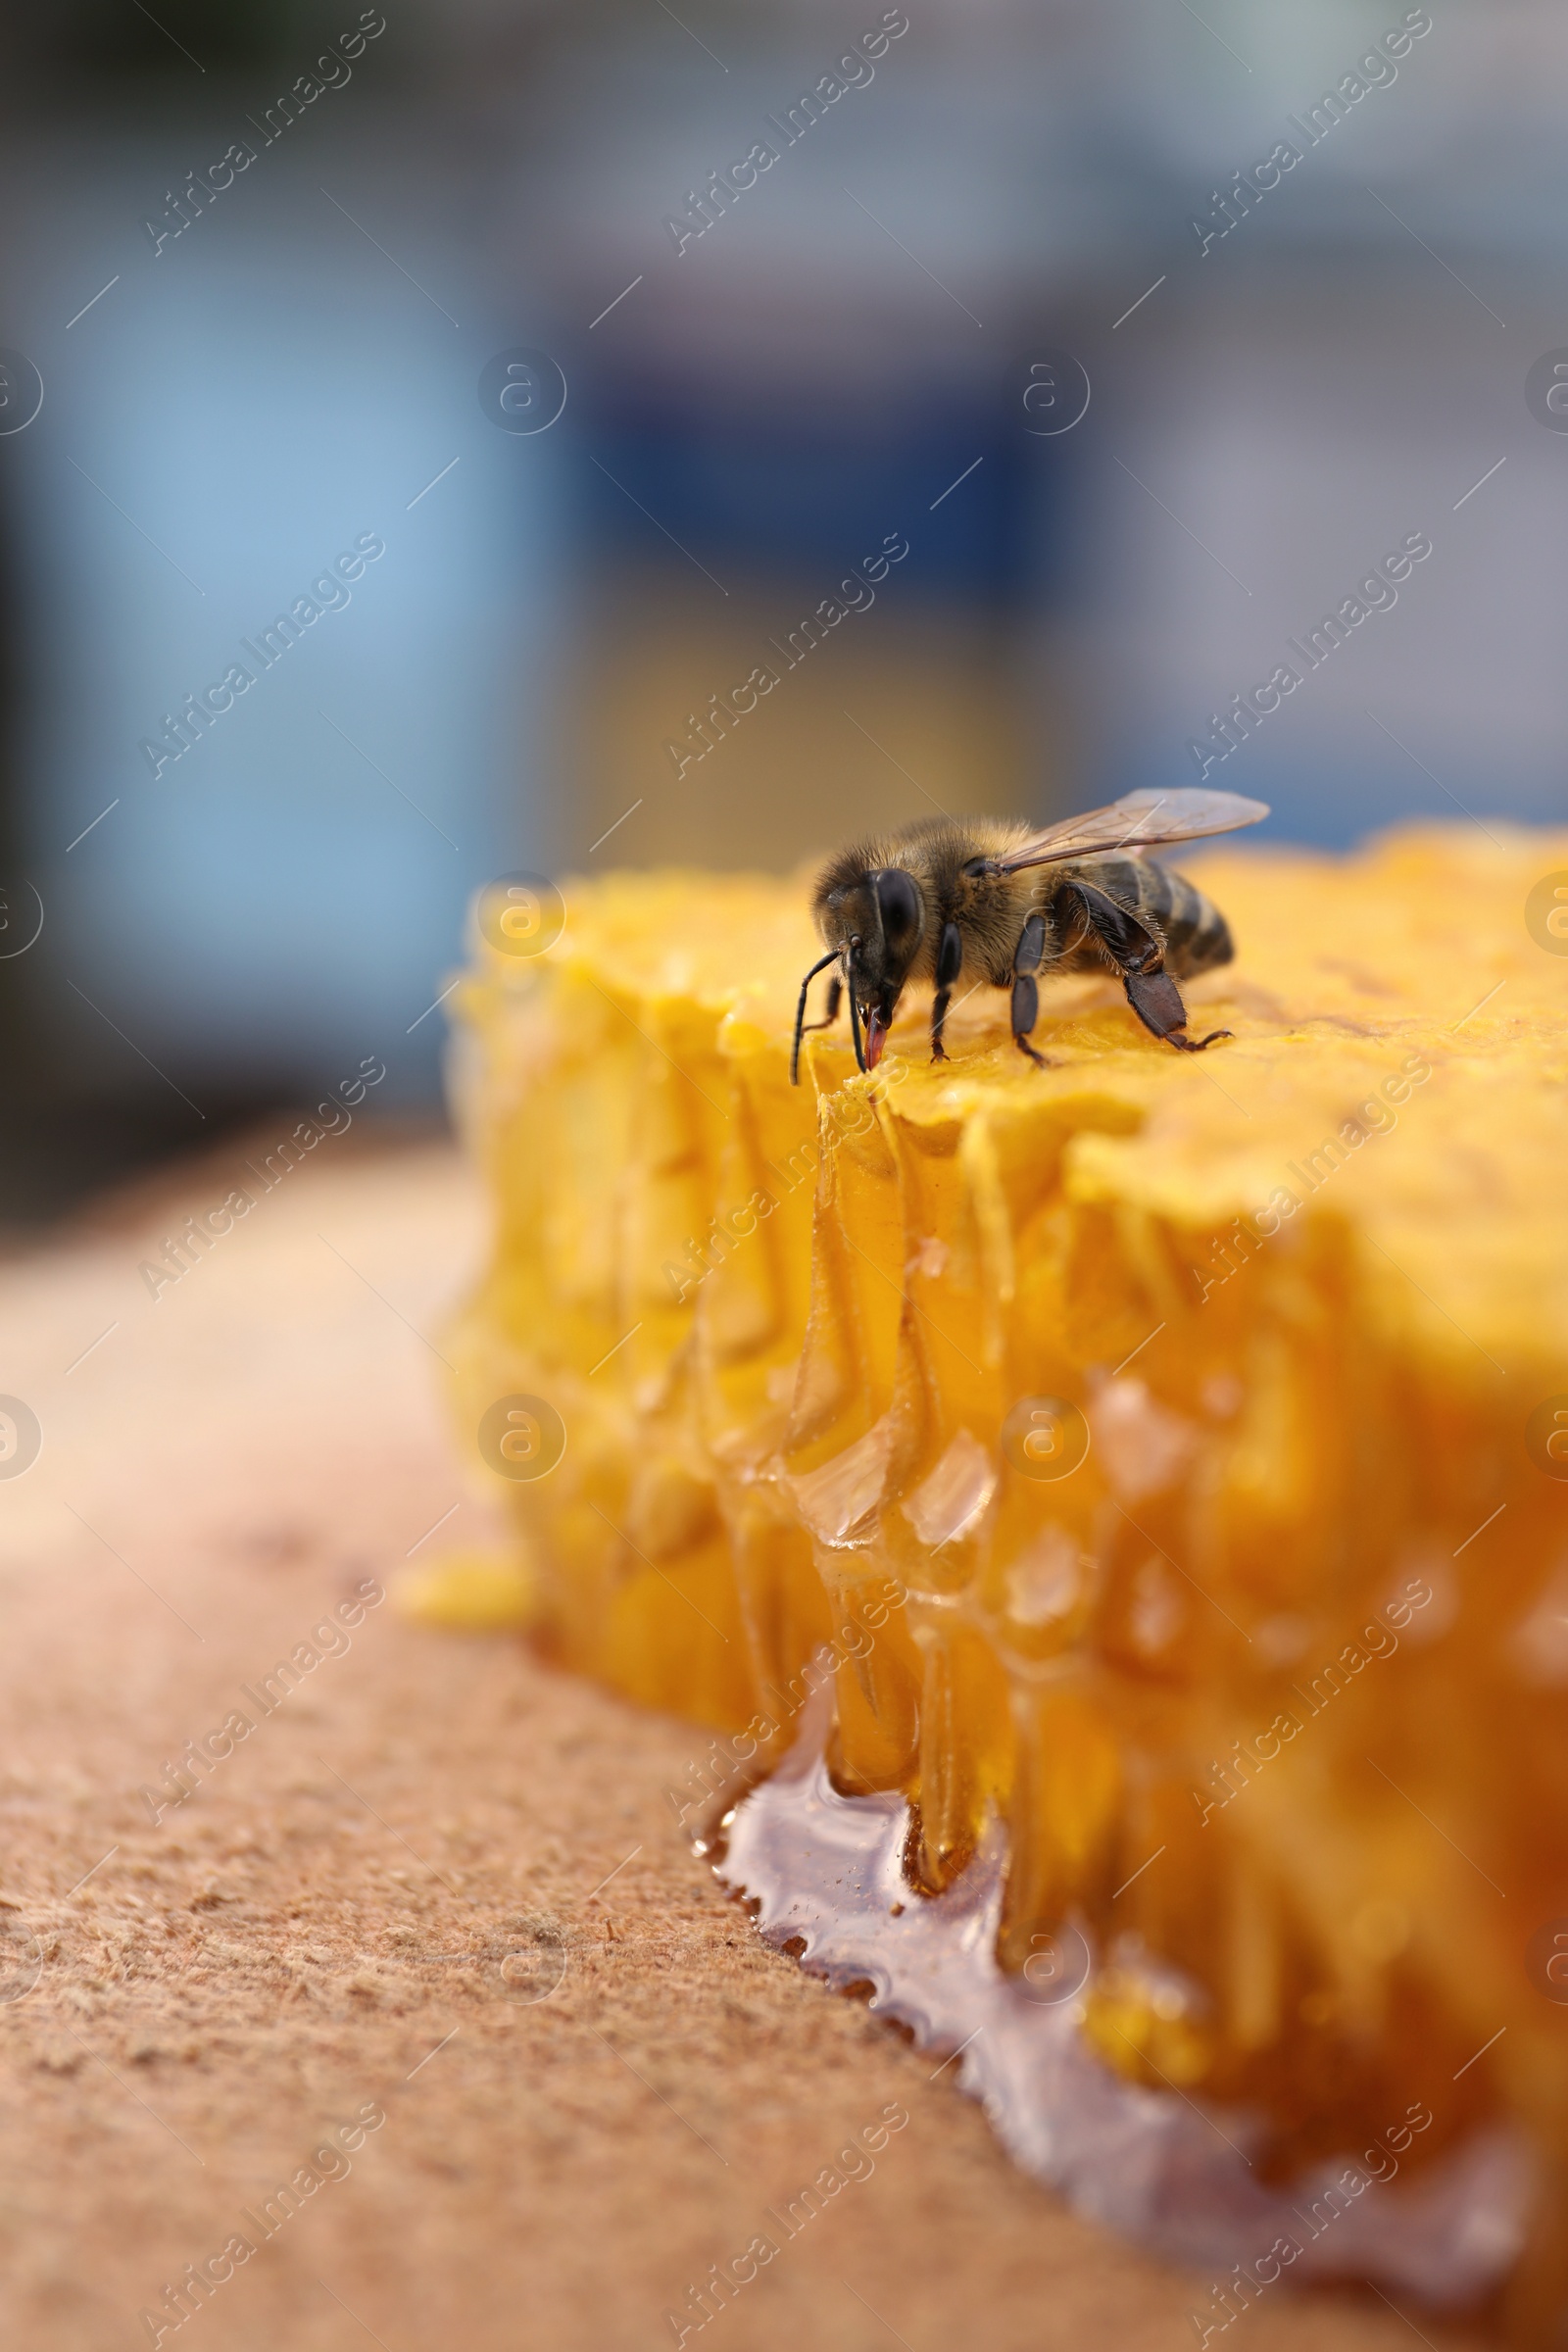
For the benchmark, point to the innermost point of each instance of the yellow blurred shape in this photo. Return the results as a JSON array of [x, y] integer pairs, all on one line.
[[1270, 1684], [468, 1593]]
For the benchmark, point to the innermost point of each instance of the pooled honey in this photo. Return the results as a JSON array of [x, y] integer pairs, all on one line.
[[1132, 1495]]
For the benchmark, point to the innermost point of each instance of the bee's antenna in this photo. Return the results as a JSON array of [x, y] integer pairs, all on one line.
[[831, 957]]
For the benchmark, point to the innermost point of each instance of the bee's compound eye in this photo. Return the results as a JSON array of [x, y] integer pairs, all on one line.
[[899, 903]]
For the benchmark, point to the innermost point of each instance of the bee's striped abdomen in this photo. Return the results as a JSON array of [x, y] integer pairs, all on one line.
[[1194, 933], [1197, 935]]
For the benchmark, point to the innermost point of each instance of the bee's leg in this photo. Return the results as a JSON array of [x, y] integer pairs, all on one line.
[[820, 965], [1025, 987], [1157, 1001], [861, 1063], [835, 997], [949, 957], [1139, 955]]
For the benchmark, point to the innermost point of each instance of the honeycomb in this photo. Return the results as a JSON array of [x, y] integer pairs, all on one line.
[[1165, 1457]]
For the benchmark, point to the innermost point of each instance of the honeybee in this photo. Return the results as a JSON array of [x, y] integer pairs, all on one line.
[[994, 897]]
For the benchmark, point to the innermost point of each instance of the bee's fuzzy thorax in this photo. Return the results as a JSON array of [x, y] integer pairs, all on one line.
[[930, 846]]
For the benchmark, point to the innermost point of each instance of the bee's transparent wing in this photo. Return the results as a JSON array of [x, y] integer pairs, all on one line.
[[1140, 820]]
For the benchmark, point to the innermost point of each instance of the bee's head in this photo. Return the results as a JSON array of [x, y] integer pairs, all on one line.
[[873, 918]]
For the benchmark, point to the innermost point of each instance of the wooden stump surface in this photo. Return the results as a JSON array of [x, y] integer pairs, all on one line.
[[195, 2005]]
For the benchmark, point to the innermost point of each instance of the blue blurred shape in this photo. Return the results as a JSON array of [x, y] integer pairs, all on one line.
[[287, 894]]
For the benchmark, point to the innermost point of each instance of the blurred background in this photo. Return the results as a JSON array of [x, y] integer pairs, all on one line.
[[495, 389]]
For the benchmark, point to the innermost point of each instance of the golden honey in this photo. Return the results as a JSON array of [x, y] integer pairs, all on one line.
[[1165, 1457]]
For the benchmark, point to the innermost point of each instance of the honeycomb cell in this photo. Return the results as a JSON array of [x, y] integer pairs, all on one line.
[[1251, 1677]]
